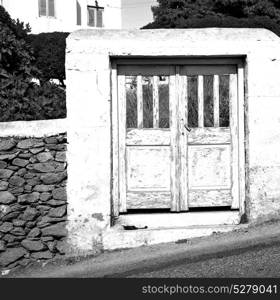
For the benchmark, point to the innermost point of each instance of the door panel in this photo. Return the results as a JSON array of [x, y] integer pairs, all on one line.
[[148, 200], [209, 198], [204, 136], [152, 137], [209, 167], [144, 95], [148, 168], [209, 136]]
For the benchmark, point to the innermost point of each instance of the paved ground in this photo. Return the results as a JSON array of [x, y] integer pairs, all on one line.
[[263, 261], [249, 252]]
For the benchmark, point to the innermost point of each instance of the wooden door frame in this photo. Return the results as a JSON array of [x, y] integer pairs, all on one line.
[[117, 135]]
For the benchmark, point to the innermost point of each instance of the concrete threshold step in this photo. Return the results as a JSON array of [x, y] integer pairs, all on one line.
[[119, 238]]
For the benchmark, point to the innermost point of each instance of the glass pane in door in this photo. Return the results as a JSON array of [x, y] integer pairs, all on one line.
[[192, 101], [131, 101], [208, 100], [147, 87], [163, 94], [224, 100]]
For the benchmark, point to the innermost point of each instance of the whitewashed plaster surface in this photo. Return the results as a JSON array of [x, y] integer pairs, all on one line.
[[89, 114], [35, 129], [65, 14]]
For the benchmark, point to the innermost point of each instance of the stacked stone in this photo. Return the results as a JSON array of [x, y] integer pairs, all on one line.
[[33, 204]]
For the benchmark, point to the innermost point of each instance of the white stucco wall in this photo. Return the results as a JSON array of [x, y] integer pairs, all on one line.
[[88, 102], [36, 129], [66, 14]]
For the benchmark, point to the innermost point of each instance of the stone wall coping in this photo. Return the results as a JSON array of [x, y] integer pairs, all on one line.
[[33, 128], [181, 35]]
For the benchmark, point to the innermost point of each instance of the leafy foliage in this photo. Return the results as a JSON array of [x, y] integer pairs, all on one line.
[[18, 28], [15, 55], [217, 13], [28, 101], [49, 52], [20, 98]]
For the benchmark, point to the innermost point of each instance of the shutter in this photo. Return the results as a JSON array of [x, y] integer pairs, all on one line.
[[51, 8], [79, 13], [42, 7], [99, 17], [91, 16]]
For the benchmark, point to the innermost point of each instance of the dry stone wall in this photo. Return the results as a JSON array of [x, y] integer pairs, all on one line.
[[33, 204]]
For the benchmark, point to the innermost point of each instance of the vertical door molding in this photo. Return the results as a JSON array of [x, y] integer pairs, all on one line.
[[115, 142], [139, 102], [122, 147], [155, 102], [174, 127], [183, 141], [200, 101], [233, 100], [216, 97], [241, 132]]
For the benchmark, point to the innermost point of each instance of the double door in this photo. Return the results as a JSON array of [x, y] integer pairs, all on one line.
[[177, 137]]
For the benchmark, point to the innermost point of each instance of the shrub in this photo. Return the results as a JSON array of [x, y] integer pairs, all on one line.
[[20, 98], [49, 53], [28, 101], [18, 28], [217, 21], [217, 13], [15, 54]]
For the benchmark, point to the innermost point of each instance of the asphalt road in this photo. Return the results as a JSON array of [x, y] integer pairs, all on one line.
[[263, 261]]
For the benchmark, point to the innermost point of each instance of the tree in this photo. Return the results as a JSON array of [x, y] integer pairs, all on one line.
[[15, 54], [20, 97], [216, 13], [18, 28], [49, 53]]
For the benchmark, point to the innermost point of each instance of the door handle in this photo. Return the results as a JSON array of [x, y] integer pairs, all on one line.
[[187, 128]]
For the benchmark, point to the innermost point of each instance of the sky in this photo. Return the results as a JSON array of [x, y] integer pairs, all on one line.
[[137, 13]]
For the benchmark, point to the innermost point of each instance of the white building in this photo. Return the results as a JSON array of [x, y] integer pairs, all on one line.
[[67, 16]]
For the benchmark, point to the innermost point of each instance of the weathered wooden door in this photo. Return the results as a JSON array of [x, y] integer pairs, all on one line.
[[209, 136], [177, 137], [146, 96]]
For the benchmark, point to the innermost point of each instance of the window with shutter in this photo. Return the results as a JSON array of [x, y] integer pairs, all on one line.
[[99, 17], [42, 7], [91, 16], [47, 8], [79, 13], [95, 16], [51, 11]]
